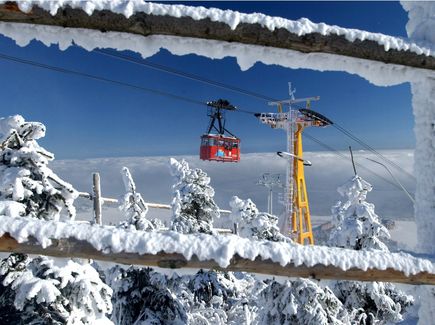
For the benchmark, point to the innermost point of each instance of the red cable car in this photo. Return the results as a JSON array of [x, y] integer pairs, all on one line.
[[219, 146]]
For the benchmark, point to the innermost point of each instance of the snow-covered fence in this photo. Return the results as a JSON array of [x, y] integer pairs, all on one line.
[[99, 200], [258, 29], [251, 38], [152, 205], [174, 250]]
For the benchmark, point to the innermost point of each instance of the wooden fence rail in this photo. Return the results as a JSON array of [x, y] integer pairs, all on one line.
[[256, 34], [70, 247]]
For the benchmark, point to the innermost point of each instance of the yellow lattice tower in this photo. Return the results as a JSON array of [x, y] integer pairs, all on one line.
[[294, 121], [301, 217]]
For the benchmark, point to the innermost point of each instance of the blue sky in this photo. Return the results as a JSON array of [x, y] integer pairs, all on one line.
[[87, 118]]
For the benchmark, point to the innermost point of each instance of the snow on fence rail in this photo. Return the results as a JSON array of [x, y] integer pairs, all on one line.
[[99, 200], [174, 250], [89, 196], [140, 17]]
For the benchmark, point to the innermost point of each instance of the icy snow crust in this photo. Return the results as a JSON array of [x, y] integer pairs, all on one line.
[[207, 247], [231, 18]]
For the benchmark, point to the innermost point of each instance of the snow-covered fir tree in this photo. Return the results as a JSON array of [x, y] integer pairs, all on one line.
[[217, 297], [27, 184], [134, 207], [193, 207], [142, 296], [301, 301], [358, 227], [254, 224], [356, 224], [37, 290]]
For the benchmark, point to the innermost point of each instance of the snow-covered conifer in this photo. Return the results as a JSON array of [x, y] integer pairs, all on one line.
[[36, 290], [193, 207], [41, 292], [215, 297], [135, 207], [299, 302], [25, 177], [356, 224], [254, 224], [358, 227], [374, 302], [142, 296]]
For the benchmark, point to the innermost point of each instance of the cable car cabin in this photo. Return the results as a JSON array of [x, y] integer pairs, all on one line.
[[217, 147]]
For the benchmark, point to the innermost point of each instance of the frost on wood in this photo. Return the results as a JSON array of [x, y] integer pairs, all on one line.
[[356, 224], [420, 27], [423, 101], [253, 224], [134, 207], [300, 27], [193, 207], [421, 23], [27, 185], [220, 249], [39, 291], [358, 227], [246, 56]]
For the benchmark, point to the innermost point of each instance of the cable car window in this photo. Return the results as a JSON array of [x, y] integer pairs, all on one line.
[[235, 144], [220, 143], [211, 142]]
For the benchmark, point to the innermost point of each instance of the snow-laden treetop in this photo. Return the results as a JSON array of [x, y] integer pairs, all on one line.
[[357, 226], [9, 125], [355, 189], [300, 27], [27, 185]]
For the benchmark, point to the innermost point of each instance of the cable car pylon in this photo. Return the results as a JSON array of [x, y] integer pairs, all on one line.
[[297, 217]]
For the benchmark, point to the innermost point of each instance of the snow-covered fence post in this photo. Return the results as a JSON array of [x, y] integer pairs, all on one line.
[[423, 102], [97, 198], [420, 29]]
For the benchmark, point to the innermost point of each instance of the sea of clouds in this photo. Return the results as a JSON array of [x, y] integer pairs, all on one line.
[[328, 171]]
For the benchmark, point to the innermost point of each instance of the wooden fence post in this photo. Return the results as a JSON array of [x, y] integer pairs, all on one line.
[[97, 198]]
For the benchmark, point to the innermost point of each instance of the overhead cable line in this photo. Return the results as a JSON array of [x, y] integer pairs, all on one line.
[[113, 81], [338, 153], [242, 91], [389, 161], [189, 100], [99, 78], [183, 74], [368, 147]]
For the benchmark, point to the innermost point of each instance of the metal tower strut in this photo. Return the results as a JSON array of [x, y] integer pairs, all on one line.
[[297, 218]]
